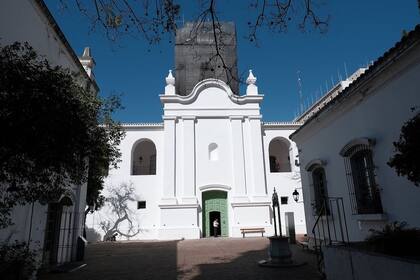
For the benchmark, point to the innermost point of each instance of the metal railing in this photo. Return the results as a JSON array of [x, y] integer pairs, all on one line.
[[144, 169], [330, 228]]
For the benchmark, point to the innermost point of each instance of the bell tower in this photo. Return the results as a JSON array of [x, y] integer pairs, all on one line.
[[196, 58]]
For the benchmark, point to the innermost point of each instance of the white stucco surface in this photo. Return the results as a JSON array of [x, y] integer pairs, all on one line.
[[209, 140], [24, 21], [377, 111]]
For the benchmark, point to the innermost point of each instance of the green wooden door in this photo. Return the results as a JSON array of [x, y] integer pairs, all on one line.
[[215, 201]]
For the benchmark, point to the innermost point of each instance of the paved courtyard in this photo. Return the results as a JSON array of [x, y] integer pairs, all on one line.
[[212, 258]]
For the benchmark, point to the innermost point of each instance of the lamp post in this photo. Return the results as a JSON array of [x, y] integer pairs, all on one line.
[[275, 201], [279, 250]]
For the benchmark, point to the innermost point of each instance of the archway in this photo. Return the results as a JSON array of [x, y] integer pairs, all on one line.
[[215, 206], [279, 156], [143, 158]]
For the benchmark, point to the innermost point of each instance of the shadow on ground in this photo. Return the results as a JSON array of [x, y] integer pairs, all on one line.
[[245, 266], [126, 260], [213, 258]]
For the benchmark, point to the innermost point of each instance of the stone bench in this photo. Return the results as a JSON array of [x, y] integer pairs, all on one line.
[[252, 230]]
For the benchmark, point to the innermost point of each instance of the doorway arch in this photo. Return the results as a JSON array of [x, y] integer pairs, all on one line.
[[215, 205]]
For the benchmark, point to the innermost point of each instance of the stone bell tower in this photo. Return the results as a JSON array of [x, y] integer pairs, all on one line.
[[196, 59]]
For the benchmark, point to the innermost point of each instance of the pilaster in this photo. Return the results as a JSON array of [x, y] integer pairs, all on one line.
[[169, 140], [188, 166], [238, 159], [260, 189]]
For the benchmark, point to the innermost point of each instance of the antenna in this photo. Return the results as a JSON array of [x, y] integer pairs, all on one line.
[[345, 70], [299, 80], [339, 75]]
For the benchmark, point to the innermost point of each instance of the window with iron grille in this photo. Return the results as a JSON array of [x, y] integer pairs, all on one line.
[[360, 172], [319, 183]]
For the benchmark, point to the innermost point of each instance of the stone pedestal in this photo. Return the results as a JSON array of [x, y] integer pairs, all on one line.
[[279, 254], [279, 250]]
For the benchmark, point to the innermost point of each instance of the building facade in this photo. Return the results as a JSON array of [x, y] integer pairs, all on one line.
[[346, 142], [212, 157], [51, 229]]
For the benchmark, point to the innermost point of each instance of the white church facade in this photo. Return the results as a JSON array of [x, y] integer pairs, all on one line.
[[212, 157]]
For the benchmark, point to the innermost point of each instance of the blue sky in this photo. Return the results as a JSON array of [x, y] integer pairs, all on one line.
[[359, 32]]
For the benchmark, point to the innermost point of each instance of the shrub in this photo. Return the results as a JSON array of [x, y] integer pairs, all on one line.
[[396, 240], [17, 261]]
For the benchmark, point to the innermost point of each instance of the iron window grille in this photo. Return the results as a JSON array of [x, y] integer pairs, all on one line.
[[146, 168], [319, 186], [360, 172]]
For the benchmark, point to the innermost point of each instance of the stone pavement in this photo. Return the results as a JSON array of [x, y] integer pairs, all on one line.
[[209, 258]]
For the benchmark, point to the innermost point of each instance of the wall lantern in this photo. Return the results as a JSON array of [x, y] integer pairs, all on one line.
[[296, 195]]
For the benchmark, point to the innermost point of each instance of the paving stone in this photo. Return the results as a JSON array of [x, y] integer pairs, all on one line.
[[209, 258]]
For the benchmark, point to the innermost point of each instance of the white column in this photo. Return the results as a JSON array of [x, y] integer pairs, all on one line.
[[238, 159], [169, 139], [260, 189], [189, 160]]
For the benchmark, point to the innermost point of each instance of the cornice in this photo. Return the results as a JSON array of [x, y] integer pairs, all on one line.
[[208, 83]]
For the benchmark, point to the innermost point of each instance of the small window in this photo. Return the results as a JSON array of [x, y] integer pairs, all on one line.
[[213, 152], [141, 204], [284, 199]]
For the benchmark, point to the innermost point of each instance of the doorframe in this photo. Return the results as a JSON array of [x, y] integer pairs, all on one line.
[[208, 188]]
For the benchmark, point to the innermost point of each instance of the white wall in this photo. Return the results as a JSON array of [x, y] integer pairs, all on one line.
[[285, 182], [379, 115], [147, 187], [24, 21], [343, 263], [185, 170]]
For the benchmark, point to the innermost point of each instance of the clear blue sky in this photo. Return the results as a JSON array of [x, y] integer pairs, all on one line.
[[360, 31]]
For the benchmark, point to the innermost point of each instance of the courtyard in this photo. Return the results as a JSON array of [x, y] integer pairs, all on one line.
[[209, 258]]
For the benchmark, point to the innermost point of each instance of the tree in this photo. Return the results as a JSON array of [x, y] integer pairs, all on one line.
[[55, 129], [154, 19], [407, 151], [157, 19]]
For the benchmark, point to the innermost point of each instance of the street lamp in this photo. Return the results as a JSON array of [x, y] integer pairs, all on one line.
[[296, 195]]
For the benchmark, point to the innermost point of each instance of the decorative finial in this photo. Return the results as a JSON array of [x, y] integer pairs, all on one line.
[[251, 80], [170, 80]]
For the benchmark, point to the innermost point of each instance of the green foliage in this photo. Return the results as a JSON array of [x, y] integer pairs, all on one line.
[[17, 261], [407, 151], [396, 240], [50, 120]]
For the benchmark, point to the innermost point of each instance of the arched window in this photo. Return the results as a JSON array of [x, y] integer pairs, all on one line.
[[279, 155], [319, 183], [364, 193], [213, 152], [144, 158]]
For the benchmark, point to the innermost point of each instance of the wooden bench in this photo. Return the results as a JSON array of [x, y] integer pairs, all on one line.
[[304, 244], [252, 230]]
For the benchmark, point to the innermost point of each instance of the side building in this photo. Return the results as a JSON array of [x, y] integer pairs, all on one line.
[[346, 142], [52, 229]]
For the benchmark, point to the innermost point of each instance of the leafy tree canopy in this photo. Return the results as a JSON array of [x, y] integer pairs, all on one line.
[[407, 151], [54, 128]]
